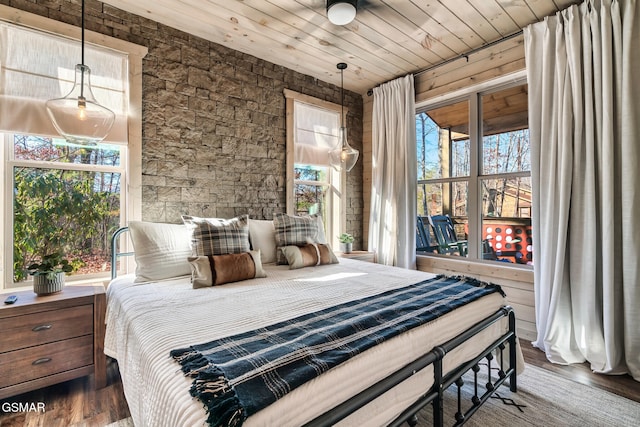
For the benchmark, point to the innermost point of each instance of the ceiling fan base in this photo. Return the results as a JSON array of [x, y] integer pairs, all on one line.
[[341, 12]]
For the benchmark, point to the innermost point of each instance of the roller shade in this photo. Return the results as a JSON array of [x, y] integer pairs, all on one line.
[[36, 66], [316, 133]]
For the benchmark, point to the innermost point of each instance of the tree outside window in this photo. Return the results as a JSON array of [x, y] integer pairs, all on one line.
[[66, 198]]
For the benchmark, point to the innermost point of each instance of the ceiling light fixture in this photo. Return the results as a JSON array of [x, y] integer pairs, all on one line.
[[341, 12], [343, 155], [78, 117]]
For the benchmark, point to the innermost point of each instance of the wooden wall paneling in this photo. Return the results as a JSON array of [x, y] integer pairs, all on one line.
[[516, 282], [501, 59]]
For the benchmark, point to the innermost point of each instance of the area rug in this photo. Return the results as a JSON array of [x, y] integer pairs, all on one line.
[[546, 400], [543, 400]]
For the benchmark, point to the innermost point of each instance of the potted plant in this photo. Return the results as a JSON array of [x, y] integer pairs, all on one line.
[[49, 274], [346, 241]]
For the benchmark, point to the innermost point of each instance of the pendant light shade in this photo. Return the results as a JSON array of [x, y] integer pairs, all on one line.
[[78, 117], [343, 155]]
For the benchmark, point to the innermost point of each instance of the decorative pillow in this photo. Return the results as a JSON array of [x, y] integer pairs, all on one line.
[[309, 255], [262, 235], [214, 270], [160, 250], [217, 236], [294, 230]]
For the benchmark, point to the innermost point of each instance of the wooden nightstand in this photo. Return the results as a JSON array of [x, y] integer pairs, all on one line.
[[359, 255], [50, 339]]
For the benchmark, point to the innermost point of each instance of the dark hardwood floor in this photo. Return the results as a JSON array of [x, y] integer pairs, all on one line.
[[76, 403]]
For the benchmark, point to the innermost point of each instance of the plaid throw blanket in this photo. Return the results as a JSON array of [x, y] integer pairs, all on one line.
[[237, 376]]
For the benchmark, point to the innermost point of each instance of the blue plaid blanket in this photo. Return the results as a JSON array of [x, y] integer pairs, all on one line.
[[237, 376]]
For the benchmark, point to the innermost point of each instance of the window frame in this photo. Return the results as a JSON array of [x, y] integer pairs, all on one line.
[[10, 162], [131, 159], [472, 95], [336, 223]]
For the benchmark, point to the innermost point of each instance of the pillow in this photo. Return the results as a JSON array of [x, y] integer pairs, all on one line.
[[217, 236], [262, 235], [294, 230], [309, 255], [214, 270], [160, 250], [321, 236]]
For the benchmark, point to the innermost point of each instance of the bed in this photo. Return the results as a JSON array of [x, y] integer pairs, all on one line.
[[384, 385]]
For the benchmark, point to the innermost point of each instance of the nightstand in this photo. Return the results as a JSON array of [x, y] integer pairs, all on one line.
[[53, 338], [359, 255]]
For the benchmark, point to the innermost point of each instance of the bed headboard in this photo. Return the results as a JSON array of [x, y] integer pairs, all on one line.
[[115, 254]]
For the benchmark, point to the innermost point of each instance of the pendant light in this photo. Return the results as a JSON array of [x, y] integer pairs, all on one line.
[[78, 117], [343, 155]]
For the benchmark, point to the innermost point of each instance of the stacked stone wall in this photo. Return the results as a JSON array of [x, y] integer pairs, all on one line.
[[214, 131]]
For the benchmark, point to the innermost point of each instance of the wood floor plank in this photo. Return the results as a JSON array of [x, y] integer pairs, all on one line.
[[75, 403]]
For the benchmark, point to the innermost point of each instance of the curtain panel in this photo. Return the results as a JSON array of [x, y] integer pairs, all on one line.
[[584, 120], [392, 220]]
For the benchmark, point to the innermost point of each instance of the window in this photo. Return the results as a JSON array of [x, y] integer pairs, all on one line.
[[476, 180], [313, 185], [65, 198], [57, 196]]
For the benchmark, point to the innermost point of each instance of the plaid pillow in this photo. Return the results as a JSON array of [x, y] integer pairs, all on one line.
[[294, 230], [216, 236]]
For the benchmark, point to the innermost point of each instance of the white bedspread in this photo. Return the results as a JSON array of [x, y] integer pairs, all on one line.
[[146, 321]]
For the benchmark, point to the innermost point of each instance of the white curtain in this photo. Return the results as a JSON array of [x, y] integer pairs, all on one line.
[[36, 66], [316, 133], [583, 66], [392, 222]]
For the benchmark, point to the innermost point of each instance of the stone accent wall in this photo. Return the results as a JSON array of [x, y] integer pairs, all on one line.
[[213, 119]]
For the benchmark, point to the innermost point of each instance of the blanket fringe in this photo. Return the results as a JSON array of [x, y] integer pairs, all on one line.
[[220, 400], [212, 388]]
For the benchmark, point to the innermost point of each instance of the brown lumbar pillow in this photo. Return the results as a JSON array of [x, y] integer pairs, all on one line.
[[216, 270], [309, 255]]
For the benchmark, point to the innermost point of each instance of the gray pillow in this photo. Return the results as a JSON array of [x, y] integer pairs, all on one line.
[[294, 230], [217, 236]]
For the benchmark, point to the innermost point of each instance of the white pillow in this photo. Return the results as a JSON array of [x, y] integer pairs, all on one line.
[[321, 236], [161, 250], [262, 234]]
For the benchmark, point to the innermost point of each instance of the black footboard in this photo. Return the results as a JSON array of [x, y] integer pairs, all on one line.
[[441, 380]]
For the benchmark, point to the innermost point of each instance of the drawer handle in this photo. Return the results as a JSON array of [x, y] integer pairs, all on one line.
[[41, 361], [41, 328]]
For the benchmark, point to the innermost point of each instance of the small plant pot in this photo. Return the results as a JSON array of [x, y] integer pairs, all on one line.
[[43, 285], [346, 247]]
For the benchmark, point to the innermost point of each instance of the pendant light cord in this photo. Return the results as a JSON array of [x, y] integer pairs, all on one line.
[[82, 55], [82, 33], [342, 97]]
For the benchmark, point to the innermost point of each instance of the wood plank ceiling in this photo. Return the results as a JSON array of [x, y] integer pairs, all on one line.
[[388, 38]]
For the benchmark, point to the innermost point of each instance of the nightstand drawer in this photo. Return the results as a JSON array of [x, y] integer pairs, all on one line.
[[45, 327], [27, 364]]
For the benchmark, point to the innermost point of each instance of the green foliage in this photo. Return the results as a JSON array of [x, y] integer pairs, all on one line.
[[60, 209], [57, 211], [345, 238], [50, 265]]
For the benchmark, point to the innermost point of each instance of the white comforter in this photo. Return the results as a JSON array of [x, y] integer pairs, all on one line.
[[146, 321]]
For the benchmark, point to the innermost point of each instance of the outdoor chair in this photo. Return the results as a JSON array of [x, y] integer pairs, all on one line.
[[445, 234], [423, 238]]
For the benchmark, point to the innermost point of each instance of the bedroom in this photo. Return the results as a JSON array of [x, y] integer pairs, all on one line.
[[172, 182]]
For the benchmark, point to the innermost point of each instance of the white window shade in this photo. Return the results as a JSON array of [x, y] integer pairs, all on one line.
[[316, 133], [37, 66]]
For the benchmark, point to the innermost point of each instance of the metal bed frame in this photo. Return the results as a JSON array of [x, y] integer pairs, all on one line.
[[441, 380]]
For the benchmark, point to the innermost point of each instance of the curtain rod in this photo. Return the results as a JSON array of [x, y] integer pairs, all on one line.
[[463, 55]]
